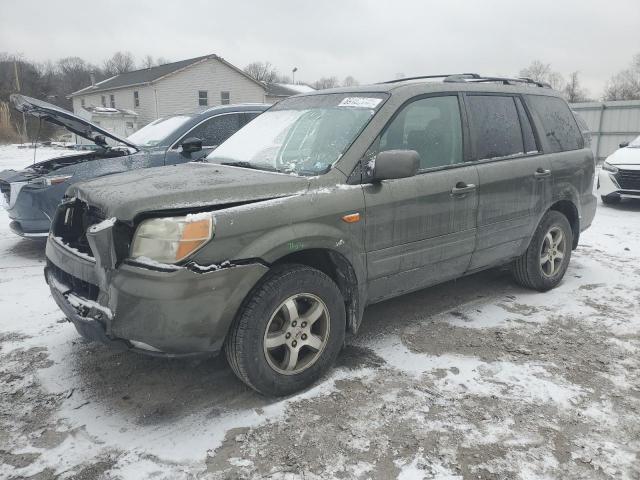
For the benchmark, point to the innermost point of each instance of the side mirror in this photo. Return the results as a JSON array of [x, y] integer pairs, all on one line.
[[624, 144], [395, 164], [100, 140], [191, 144]]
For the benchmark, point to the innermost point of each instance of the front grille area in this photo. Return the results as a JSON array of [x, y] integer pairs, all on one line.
[[71, 223], [628, 179], [5, 190], [79, 287]]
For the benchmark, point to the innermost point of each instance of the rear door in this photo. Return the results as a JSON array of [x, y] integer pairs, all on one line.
[[421, 230], [514, 177], [572, 161]]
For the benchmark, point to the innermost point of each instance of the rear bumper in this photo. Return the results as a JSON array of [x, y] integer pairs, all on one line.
[[170, 313]]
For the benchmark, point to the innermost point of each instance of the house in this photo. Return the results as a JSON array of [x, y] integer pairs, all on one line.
[[120, 121], [180, 87], [277, 91]]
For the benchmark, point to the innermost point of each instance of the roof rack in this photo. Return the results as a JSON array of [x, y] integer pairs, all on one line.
[[422, 77], [474, 78]]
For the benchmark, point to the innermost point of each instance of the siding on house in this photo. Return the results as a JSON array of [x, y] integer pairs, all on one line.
[[177, 92]]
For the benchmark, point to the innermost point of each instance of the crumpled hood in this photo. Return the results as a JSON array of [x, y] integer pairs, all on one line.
[[191, 185], [625, 156]]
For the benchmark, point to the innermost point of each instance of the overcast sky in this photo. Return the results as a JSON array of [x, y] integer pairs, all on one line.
[[372, 41]]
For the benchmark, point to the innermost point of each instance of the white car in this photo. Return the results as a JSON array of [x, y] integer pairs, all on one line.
[[620, 174]]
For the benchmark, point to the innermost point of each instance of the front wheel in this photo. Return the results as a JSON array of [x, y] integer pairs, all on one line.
[[544, 263], [289, 332]]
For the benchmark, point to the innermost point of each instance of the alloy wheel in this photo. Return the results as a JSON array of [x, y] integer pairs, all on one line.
[[296, 334], [552, 251]]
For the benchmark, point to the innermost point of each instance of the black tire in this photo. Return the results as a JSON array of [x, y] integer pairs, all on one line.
[[244, 346], [610, 199], [528, 270]]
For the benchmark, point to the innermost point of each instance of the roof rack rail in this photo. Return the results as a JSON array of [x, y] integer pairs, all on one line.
[[474, 78], [422, 77]]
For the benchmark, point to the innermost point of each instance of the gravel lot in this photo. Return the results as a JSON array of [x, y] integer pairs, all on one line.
[[471, 379]]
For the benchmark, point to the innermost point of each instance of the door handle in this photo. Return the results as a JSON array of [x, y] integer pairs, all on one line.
[[542, 173], [462, 188]]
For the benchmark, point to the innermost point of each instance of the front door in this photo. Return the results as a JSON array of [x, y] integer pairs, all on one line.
[[213, 131], [514, 178], [421, 230]]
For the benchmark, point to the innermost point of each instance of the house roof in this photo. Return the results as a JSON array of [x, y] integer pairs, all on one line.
[[286, 89], [153, 74]]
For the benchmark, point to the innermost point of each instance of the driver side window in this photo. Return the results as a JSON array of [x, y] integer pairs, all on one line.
[[430, 126], [217, 129]]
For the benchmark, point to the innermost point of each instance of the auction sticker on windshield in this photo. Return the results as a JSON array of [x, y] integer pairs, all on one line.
[[360, 102]]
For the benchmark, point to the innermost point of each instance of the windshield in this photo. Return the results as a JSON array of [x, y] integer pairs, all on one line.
[[154, 133], [300, 135], [635, 143]]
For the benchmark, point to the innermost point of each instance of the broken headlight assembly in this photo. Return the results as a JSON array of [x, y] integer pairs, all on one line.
[[172, 239]]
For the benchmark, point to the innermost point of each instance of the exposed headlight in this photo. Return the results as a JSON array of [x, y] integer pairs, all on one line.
[[609, 168], [48, 181], [171, 239]]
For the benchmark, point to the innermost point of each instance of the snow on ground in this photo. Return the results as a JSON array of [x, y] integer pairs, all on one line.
[[12, 157], [476, 378]]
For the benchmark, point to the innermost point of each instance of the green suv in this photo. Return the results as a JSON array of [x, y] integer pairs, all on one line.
[[271, 249]]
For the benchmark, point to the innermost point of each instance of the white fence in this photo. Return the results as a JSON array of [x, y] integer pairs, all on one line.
[[611, 123]]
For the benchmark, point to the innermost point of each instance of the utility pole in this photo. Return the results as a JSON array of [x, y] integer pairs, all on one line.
[[293, 75], [24, 118]]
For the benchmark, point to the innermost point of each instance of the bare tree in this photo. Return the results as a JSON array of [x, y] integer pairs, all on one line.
[[120, 62], [349, 81], [326, 82], [542, 72], [573, 91], [625, 85], [147, 62], [74, 72], [262, 71], [162, 61]]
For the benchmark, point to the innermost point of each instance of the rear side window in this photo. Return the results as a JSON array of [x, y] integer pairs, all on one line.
[[560, 127], [496, 126], [217, 129], [530, 145], [430, 126]]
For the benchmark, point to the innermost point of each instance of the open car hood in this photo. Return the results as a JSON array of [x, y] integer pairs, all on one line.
[[66, 119]]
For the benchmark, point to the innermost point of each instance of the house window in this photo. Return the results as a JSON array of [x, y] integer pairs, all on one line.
[[203, 98], [112, 101], [104, 100], [136, 99], [82, 102], [129, 124], [225, 98]]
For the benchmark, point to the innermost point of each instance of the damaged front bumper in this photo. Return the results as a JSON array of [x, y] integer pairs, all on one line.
[[30, 206], [131, 306]]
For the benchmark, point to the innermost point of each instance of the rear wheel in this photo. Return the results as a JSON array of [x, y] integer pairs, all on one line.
[[545, 262], [289, 332], [610, 199]]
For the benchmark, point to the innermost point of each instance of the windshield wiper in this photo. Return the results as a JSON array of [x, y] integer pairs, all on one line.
[[255, 166]]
